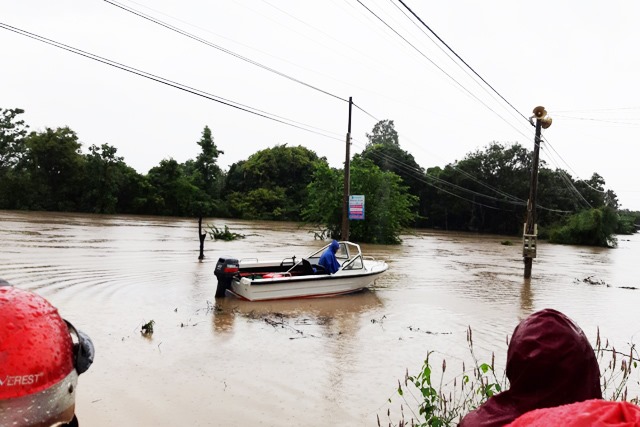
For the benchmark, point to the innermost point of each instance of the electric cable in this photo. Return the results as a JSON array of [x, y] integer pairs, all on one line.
[[220, 48], [565, 178], [460, 58], [419, 175], [460, 85], [589, 119], [456, 62], [168, 82]]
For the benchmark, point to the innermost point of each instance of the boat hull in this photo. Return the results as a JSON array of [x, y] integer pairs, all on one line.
[[304, 286]]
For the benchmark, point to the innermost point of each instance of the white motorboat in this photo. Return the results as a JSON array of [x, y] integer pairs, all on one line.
[[293, 277]]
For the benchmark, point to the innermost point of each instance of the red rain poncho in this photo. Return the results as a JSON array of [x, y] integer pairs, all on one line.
[[591, 413], [549, 363]]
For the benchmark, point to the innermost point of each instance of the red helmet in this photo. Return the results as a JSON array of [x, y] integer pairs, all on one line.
[[39, 362]]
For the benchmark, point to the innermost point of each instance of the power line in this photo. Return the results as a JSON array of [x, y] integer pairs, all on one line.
[[460, 85], [366, 112], [589, 119], [450, 57], [565, 178], [483, 80], [220, 48], [315, 71], [170, 83], [420, 176], [597, 110], [460, 58]]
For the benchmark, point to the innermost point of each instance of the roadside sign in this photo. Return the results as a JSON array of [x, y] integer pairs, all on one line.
[[356, 207]]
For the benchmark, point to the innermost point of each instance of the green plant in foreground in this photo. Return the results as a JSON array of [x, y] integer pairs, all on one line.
[[443, 404], [614, 378]]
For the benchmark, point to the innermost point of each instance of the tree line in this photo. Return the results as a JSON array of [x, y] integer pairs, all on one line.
[[484, 192]]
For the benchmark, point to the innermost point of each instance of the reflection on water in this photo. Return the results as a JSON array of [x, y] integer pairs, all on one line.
[[526, 298], [323, 312], [318, 362]]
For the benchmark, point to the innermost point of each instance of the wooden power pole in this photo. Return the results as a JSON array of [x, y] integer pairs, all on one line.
[[530, 234], [347, 180]]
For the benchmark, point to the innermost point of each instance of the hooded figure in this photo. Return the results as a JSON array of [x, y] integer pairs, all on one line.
[[328, 259], [39, 361], [549, 363]]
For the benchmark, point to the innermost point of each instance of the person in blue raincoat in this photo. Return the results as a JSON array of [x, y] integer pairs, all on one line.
[[328, 259]]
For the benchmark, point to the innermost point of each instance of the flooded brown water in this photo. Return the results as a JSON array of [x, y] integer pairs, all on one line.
[[319, 362]]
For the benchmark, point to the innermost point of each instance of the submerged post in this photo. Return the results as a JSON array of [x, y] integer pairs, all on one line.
[[530, 234], [347, 163], [202, 236]]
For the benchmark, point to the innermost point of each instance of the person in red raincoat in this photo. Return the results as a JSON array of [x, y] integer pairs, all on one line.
[[549, 363], [590, 413]]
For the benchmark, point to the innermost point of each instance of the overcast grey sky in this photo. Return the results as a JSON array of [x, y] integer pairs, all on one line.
[[578, 59]]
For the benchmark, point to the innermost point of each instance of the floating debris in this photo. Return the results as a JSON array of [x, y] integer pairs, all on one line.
[[411, 328], [147, 328], [589, 280]]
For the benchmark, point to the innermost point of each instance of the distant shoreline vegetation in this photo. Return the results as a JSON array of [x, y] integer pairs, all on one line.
[[485, 192]]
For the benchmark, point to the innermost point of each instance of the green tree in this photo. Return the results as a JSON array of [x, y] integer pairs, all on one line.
[[384, 133], [12, 134], [261, 203], [136, 195], [486, 191], [173, 193], [206, 163], [388, 205], [282, 171], [55, 166], [13, 181], [385, 152], [591, 227], [325, 198], [103, 177]]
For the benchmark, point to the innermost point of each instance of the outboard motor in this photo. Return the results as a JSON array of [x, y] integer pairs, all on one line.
[[226, 268]]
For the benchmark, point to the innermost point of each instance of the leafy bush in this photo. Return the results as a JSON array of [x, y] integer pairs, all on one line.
[[226, 234], [593, 227]]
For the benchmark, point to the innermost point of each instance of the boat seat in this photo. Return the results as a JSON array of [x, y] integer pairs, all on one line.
[[319, 269], [307, 269]]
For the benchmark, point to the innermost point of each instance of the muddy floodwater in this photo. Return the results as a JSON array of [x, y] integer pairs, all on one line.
[[322, 362]]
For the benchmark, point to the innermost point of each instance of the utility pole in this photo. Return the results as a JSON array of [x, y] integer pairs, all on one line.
[[530, 234], [347, 166]]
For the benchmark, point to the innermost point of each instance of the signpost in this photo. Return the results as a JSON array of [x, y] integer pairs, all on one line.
[[356, 207]]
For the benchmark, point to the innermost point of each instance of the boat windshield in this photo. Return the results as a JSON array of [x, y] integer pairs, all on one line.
[[343, 252], [354, 264], [347, 252]]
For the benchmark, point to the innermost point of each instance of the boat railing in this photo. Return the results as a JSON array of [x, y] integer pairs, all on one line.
[[351, 264]]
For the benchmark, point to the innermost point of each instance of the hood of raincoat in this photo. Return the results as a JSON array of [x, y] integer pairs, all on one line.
[[334, 246], [550, 362]]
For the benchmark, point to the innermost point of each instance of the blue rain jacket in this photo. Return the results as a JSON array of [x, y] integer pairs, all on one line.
[[328, 259]]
